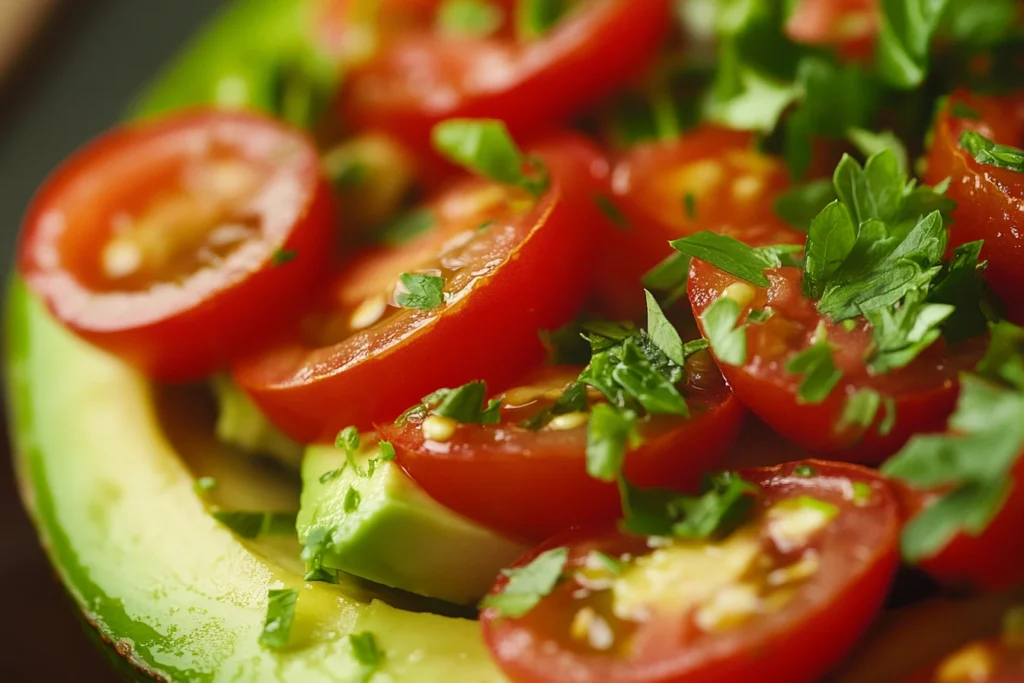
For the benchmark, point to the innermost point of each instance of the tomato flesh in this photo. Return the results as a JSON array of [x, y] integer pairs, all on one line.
[[924, 392], [422, 78], [990, 200], [774, 601], [158, 241], [531, 484], [512, 266], [710, 179]]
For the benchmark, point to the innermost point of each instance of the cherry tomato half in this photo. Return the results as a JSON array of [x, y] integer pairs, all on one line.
[[780, 599], [511, 266], [710, 179], [984, 661], [990, 199], [423, 77], [992, 560], [923, 394], [850, 26], [178, 244], [531, 484]]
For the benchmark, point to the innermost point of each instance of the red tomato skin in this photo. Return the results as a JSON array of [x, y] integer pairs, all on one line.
[[801, 654], [773, 396], [991, 561], [225, 313], [489, 335], [421, 79], [990, 200], [530, 487], [649, 183]]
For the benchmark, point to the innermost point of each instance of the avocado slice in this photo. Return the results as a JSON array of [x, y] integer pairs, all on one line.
[[257, 54], [380, 525], [173, 592], [241, 423]]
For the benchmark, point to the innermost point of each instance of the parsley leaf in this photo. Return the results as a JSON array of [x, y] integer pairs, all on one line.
[[282, 256], [904, 40], [974, 462], [407, 226], [820, 374], [728, 341], [469, 18], [902, 333], [485, 146], [800, 205], [830, 240], [870, 144], [529, 584], [572, 400], [725, 502], [872, 191], [367, 654], [534, 18], [466, 404], [277, 627], [610, 433], [734, 257], [426, 292], [662, 332], [612, 212], [860, 410], [254, 524], [990, 153]]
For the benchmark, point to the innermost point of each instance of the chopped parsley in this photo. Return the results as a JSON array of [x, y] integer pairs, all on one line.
[[572, 400], [534, 18], [350, 503], [612, 212], [469, 18], [485, 146], [277, 627], [973, 463], [204, 484], [407, 226], [820, 374], [466, 404], [253, 524], [663, 333], [387, 451], [282, 256], [426, 292], [725, 502], [800, 205], [611, 432], [690, 206], [990, 153], [734, 257], [367, 654], [905, 39], [529, 584], [728, 340], [348, 441]]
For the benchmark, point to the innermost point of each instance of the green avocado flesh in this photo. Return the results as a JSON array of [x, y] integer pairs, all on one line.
[[427, 548], [240, 423], [107, 464]]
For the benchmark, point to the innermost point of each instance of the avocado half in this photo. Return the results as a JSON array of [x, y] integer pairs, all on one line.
[[107, 464]]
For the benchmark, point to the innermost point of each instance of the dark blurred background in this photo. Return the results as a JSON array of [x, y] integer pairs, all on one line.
[[79, 64]]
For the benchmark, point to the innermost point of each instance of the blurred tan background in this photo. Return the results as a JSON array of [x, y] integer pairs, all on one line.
[[67, 69]]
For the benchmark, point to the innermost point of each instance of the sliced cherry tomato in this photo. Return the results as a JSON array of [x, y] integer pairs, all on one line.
[[710, 179], [990, 199], [177, 244], [984, 661], [992, 560], [923, 394], [780, 599], [422, 77], [512, 266], [851, 26], [531, 484]]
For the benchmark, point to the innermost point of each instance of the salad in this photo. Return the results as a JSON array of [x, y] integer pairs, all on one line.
[[542, 341]]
